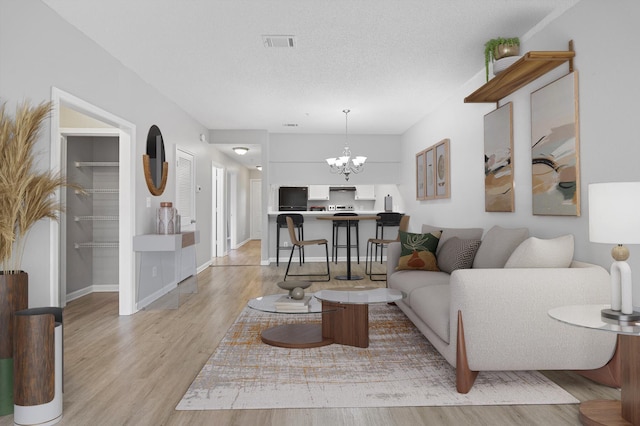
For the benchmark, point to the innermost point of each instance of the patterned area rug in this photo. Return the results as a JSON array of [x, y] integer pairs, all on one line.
[[399, 368]]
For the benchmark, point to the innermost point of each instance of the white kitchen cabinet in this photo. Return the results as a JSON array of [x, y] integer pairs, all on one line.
[[318, 192], [365, 192]]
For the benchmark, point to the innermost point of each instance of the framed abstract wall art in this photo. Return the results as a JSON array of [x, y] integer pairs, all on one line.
[[442, 172], [420, 176], [430, 185], [555, 148], [498, 160]]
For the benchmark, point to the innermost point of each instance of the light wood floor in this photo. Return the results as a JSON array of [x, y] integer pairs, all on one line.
[[134, 370]]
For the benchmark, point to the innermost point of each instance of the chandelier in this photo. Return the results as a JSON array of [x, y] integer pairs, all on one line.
[[344, 164]]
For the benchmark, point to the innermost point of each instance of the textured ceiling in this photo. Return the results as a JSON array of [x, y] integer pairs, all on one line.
[[390, 62]]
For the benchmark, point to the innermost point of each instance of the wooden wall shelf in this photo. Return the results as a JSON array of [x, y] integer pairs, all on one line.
[[522, 72]]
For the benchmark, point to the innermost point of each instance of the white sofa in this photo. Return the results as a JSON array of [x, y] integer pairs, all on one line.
[[490, 317]]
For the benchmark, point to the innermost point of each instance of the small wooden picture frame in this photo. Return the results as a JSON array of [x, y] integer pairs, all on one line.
[[420, 176], [442, 169]]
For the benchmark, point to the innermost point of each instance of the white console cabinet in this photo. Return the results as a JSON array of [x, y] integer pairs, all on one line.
[[165, 261]]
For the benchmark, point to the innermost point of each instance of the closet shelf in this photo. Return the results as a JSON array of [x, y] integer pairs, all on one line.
[[94, 218], [94, 244], [98, 191], [97, 164]]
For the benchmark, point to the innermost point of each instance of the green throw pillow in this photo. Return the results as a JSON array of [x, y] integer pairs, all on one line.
[[418, 251]]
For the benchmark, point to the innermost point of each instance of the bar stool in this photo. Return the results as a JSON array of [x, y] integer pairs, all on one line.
[[281, 222], [389, 220], [379, 242], [337, 224]]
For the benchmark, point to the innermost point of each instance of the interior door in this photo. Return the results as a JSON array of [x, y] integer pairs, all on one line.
[[186, 189]]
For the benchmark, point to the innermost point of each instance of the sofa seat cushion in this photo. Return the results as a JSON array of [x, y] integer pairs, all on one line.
[[409, 281], [431, 304]]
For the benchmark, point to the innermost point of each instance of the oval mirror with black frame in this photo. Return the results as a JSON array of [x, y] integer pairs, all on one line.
[[156, 169]]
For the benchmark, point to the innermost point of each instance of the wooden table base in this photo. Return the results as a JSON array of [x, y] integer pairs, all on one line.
[[627, 410], [602, 412], [295, 336]]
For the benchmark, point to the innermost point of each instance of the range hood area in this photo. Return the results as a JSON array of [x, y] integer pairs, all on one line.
[[343, 188]]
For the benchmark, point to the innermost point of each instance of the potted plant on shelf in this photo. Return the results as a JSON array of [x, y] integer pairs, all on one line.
[[26, 196], [498, 48]]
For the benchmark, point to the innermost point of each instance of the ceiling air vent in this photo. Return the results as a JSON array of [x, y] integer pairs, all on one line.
[[279, 41]]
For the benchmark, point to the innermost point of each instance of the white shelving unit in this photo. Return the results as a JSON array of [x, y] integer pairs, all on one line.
[[91, 221]]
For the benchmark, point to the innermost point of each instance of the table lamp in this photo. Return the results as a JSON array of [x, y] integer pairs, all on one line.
[[614, 219]]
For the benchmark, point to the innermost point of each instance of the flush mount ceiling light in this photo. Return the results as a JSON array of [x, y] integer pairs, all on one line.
[[240, 150], [344, 164], [259, 168]]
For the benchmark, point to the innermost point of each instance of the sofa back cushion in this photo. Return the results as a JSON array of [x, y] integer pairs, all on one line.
[[498, 245], [418, 251], [462, 233], [457, 254], [540, 253]]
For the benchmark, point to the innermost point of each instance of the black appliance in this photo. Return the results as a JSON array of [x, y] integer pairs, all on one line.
[[292, 198]]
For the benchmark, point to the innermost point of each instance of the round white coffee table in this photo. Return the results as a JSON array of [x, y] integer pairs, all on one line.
[[346, 317]]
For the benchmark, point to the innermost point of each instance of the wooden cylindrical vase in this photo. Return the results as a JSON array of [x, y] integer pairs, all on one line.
[[14, 291]]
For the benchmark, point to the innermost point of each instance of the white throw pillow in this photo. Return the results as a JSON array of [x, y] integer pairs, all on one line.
[[539, 253]]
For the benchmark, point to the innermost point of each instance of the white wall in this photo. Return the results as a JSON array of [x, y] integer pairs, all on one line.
[[299, 159], [40, 50], [609, 149]]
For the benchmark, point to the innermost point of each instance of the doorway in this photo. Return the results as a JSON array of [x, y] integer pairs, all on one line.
[[217, 209], [255, 209], [125, 132]]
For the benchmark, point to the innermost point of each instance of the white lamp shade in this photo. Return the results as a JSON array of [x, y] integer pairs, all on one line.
[[331, 161], [614, 212]]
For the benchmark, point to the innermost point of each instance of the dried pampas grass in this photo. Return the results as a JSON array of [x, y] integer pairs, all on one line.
[[26, 195]]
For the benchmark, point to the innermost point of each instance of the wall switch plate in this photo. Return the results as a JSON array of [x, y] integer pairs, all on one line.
[[148, 202]]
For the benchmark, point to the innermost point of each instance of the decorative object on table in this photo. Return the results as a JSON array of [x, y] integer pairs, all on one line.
[[613, 220], [155, 166], [555, 148], [297, 293], [498, 160], [292, 285], [399, 368], [167, 219], [345, 164], [27, 197], [288, 304], [498, 48]]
